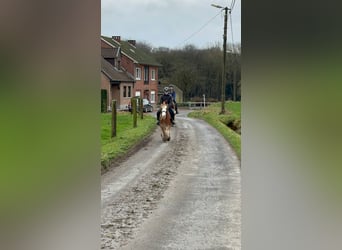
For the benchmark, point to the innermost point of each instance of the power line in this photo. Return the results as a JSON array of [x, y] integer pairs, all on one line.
[[232, 5], [196, 32], [231, 24], [231, 30]]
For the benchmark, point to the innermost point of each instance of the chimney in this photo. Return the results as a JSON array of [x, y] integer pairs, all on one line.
[[116, 38], [132, 42]]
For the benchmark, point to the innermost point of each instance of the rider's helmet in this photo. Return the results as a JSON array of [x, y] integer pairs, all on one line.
[[166, 90]]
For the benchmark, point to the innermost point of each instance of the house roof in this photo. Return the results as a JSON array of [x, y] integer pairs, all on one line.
[[109, 52], [136, 54], [114, 74]]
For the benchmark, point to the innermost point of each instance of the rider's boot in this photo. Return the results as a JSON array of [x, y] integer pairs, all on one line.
[[158, 116]]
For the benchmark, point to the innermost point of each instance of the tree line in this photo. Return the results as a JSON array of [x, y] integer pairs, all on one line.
[[198, 72]]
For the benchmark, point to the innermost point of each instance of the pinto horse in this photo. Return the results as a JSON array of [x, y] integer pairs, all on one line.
[[165, 122]]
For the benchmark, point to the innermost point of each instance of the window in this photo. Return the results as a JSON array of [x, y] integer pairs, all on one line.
[[146, 71], [153, 96], [138, 73], [153, 74], [129, 91], [137, 93]]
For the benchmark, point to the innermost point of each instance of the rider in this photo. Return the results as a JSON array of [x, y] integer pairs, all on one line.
[[166, 97], [173, 94]]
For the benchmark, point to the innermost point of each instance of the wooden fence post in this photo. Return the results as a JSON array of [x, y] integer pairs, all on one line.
[[134, 110], [113, 118], [141, 108]]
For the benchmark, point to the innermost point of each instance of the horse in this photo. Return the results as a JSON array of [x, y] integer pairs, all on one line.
[[165, 122]]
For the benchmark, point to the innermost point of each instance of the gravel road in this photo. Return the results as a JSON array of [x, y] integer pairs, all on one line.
[[182, 194]]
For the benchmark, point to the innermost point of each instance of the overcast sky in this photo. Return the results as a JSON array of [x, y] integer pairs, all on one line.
[[170, 23]]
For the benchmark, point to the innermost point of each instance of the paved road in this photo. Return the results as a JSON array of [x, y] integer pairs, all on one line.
[[183, 194]]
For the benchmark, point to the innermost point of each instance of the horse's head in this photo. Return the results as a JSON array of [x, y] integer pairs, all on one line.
[[163, 107]]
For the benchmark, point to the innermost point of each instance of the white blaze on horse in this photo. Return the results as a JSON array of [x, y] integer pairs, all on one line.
[[165, 122]]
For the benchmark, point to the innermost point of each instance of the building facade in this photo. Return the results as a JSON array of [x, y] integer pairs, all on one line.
[[142, 66], [116, 82]]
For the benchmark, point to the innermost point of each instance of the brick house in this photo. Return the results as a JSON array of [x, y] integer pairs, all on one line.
[[116, 83], [139, 64]]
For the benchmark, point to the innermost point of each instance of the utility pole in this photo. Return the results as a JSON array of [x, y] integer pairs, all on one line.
[[223, 85]]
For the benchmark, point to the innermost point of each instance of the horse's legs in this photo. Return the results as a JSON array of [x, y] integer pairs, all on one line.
[[165, 133]]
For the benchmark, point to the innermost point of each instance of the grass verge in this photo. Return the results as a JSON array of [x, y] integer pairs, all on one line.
[[219, 121], [126, 136]]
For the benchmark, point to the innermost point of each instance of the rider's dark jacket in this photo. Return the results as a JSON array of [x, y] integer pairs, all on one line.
[[167, 98], [173, 95]]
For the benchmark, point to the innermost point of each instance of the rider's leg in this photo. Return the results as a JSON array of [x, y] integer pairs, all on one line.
[[172, 115], [158, 116]]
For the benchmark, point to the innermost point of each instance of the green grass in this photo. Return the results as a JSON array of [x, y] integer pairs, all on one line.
[[233, 114], [126, 135]]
